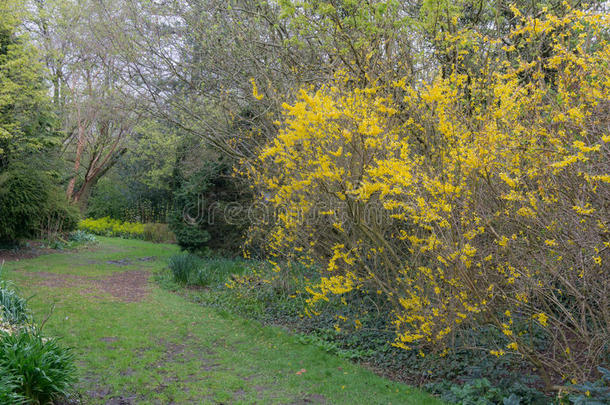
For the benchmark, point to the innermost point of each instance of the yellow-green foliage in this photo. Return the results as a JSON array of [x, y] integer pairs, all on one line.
[[479, 197], [112, 227], [107, 226]]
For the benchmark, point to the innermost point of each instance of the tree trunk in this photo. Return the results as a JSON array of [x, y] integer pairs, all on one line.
[[79, 152]]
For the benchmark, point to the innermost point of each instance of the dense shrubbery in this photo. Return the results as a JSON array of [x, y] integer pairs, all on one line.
[[476, 200], [33, 369], [31, 206], [113, 227]]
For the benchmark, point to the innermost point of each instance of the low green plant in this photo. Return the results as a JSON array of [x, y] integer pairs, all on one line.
[[80, 236], [593, 393], [219, 270], [13, 308], [43, 370], [8, 387]]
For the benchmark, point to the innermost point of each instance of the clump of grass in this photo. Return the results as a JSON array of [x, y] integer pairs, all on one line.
[[188, 269], [184, 267]]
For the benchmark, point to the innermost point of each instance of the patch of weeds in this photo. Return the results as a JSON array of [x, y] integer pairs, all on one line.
[[219, 270], [58, 244], [74, 239]]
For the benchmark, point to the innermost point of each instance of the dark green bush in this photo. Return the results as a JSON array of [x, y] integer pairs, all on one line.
[[31, 205], [23, 195], [210, 210], [43, 370]]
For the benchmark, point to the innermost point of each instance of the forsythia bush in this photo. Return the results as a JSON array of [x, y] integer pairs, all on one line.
[[478, 198]]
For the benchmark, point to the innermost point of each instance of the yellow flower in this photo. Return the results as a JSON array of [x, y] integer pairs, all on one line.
[[542, 318], [255, 92]]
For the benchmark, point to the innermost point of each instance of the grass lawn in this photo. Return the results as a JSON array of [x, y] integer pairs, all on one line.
[[137, 343]]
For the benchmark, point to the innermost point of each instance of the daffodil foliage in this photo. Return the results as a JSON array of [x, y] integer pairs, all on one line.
[[477, 197]]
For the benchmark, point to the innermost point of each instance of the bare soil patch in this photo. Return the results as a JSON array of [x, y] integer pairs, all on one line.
[[128, 286]]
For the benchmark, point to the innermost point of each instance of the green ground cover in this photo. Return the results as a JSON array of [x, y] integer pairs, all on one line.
[[138, 343]]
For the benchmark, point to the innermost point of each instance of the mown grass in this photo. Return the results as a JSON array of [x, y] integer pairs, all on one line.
[[166, 348]]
